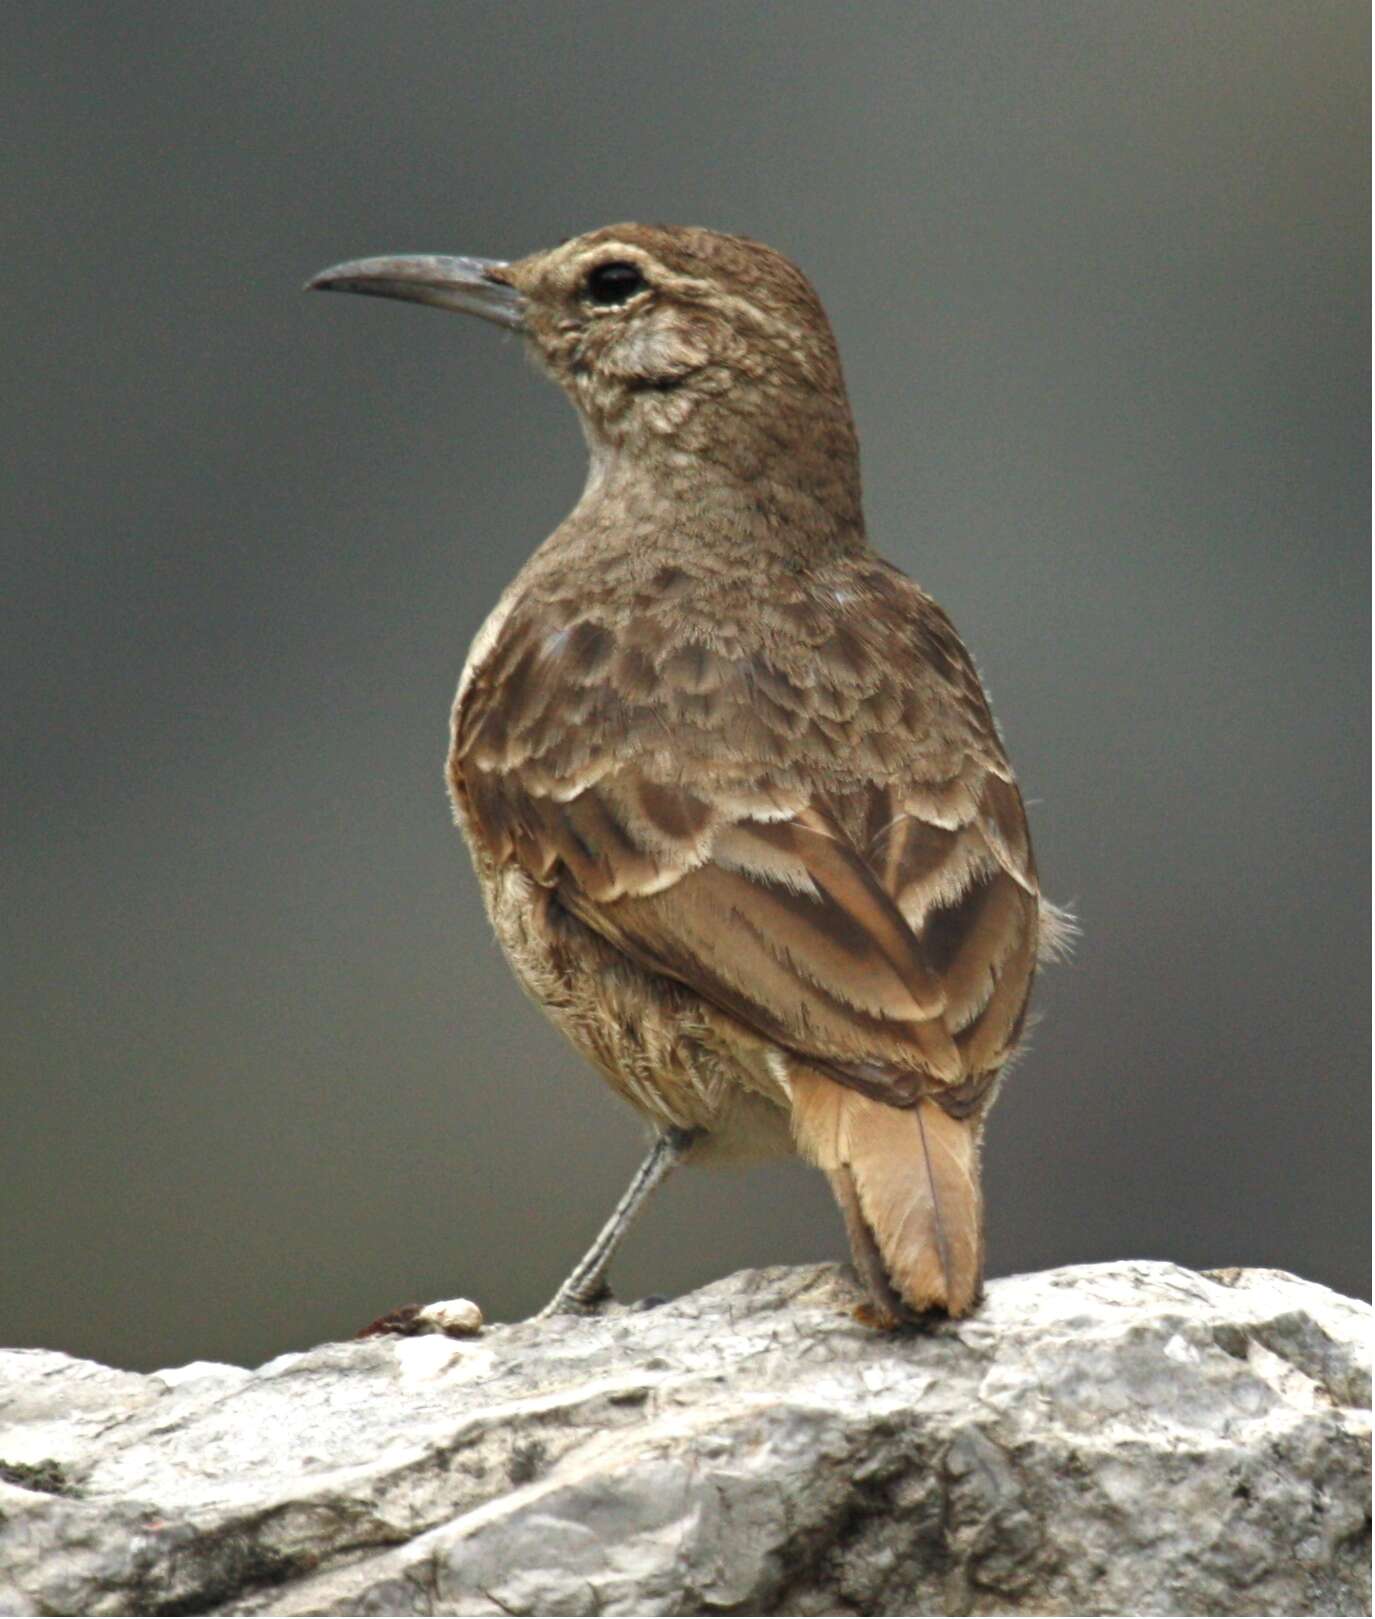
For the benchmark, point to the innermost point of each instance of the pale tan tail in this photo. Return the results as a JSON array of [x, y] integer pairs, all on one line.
[[907, 1181]]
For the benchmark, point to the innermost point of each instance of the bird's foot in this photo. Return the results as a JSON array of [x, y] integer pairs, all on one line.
[[570, 1301], [901, 1323]]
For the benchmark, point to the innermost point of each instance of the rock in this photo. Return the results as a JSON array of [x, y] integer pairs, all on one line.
[[1107, 1439]]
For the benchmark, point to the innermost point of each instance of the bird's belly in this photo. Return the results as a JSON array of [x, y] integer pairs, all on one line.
[[671, 1056]]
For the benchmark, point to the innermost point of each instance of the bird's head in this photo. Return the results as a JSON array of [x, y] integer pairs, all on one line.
[[671, 341]]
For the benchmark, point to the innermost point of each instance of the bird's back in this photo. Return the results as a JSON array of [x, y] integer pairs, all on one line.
[[638, 724]]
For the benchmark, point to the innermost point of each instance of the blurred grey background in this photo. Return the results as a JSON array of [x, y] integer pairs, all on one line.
[[1099, 276]]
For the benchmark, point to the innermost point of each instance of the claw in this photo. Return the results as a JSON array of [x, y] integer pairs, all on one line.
[[568, 1302]]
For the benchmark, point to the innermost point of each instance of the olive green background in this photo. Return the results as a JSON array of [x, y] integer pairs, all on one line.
[[1098, 273]]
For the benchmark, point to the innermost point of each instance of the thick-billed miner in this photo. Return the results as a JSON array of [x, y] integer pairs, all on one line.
[[740, 812]]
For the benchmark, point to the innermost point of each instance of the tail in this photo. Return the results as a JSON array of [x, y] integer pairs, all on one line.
[[907, 1181]]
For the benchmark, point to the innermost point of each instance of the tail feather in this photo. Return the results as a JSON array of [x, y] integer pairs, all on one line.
[[907, 1181]]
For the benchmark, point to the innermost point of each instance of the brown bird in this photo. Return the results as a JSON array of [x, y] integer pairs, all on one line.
[[741, 815]]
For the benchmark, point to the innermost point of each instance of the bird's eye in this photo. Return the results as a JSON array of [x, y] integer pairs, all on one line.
[[613, 283]]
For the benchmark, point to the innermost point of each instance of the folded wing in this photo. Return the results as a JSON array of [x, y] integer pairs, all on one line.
[[825, 842]]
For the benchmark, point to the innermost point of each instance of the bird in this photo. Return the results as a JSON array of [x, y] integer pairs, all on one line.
[[742, 819]]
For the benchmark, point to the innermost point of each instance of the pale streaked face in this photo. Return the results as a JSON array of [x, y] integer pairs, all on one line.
[[637, 324]]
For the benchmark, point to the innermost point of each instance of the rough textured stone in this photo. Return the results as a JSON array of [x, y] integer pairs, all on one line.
[[1108, 1439]]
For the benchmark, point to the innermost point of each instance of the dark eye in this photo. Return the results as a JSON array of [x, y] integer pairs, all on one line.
[[614, 283]]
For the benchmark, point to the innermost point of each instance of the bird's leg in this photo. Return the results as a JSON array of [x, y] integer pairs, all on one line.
[[586, 1285]]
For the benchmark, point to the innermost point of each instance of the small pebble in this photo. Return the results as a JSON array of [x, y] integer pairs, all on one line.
[[456, 1318]]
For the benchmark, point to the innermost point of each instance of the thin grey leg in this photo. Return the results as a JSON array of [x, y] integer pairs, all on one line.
[[587, 1283]]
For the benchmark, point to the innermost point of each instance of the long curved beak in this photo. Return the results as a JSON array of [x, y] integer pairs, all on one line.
[[471, 286]]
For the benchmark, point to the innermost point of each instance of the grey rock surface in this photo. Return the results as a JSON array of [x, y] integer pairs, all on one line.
[[1108, 1439]]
